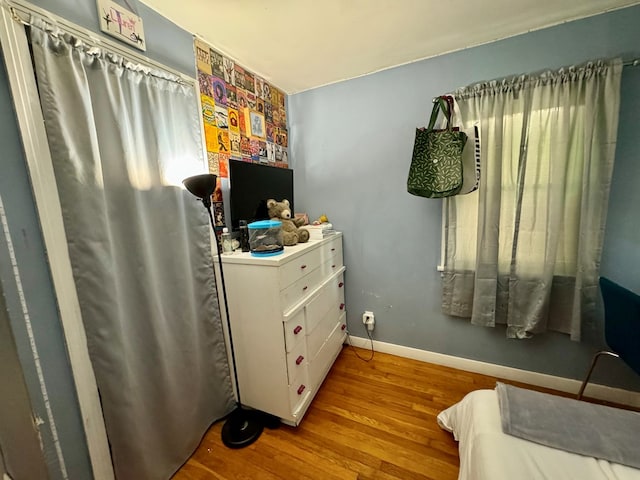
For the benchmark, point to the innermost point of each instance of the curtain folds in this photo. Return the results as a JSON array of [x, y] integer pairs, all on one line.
[[524, 250], [122, 138]]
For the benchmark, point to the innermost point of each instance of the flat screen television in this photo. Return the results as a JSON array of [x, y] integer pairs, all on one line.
[[251, 185]]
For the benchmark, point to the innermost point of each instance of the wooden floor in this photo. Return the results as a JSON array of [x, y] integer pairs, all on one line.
[[374, 420]]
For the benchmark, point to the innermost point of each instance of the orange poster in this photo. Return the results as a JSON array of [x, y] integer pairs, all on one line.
[[223, 162]]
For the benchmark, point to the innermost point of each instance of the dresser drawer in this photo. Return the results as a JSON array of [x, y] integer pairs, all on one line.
[[320, 365], [294, 330], [299, 391], [297, 362], [321, 332], [297, 268], [295, 292], [330, 297], [331, 249], [332, 265]]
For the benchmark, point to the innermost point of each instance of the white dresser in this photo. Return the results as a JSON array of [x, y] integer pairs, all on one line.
[[288, 321]]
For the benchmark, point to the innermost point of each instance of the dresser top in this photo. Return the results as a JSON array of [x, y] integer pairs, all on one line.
[[289, 253]]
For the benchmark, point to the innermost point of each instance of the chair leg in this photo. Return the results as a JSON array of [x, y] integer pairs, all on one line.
[[593, 364]]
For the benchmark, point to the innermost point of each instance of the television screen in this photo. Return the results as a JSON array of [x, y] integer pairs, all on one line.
[[251, 185]]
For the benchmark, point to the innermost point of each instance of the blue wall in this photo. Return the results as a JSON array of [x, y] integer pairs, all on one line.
[[621, 255], [351, 147], [167, 44]]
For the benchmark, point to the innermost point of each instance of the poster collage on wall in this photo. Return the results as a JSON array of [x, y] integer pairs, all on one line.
[[244, 117]]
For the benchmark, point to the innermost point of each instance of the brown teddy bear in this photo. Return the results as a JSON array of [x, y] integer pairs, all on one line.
[[291, 234]]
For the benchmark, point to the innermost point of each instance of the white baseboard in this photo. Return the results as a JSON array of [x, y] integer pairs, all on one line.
[[600, 392]]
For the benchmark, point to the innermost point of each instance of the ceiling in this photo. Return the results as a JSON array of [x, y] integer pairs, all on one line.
[[302, 44]]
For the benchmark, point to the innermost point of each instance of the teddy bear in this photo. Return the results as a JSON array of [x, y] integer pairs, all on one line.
[[291, 234]]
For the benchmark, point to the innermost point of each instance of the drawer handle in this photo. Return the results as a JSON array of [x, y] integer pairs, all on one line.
[[340, 285], [343, 326], [299, 360], [342, 306], [297, 330], [301, 389], [302, 267], [333, 249], [304, 288], [333, 266]]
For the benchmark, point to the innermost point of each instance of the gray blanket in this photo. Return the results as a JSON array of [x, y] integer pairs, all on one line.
[[593, 430]]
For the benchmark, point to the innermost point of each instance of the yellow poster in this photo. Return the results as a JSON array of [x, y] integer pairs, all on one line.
[[208, 110], [211, 138]]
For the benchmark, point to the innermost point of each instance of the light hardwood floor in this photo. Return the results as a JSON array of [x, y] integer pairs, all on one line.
[[370, 420]]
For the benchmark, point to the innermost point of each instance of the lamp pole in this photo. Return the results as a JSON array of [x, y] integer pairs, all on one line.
[[242, 427]]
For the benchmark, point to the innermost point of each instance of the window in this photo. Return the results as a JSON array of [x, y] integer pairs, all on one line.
[[524, 249], [542, 178]]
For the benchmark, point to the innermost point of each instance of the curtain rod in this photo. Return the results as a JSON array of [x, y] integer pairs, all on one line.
[[629, 63], [22, 10]]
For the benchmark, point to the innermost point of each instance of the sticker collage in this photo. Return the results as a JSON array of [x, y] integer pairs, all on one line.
[[244, 117]]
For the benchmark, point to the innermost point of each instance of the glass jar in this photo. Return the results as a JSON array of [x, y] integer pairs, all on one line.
[[265, 238]]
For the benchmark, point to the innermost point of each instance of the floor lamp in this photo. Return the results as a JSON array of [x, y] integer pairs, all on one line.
[[243, 427]]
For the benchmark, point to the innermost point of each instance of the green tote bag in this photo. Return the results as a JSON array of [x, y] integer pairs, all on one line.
[[436, 164]]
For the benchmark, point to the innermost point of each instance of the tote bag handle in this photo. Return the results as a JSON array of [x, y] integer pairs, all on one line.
[[444, 103]]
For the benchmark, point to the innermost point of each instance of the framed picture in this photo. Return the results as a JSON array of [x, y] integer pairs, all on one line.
[[126, 26], [257, 125]]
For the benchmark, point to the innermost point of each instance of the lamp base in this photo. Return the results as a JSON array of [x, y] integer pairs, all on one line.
[[241, 429]]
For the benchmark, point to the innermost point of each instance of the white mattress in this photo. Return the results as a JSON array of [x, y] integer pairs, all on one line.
[[488, 454]]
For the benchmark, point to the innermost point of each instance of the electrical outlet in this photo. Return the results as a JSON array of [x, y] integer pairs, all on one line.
[[369, 320]]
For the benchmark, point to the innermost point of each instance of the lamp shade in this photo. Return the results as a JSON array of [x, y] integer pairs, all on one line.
[[201, 186]]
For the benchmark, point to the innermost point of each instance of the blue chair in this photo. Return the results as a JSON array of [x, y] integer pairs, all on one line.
[[621, 327]]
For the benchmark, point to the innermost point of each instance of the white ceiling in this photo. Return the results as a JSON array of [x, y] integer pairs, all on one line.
[[302, 44]]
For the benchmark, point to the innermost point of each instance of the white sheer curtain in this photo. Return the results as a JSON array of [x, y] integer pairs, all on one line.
[[122, 138], [524, 250]]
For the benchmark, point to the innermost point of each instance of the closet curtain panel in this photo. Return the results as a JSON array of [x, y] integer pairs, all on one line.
[[122, 138], [524, 250]]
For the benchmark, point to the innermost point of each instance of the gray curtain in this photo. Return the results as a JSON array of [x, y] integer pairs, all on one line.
[[524, 250], [122, 138]]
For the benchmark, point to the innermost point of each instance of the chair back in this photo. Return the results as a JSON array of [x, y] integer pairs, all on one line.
[[622, 322]]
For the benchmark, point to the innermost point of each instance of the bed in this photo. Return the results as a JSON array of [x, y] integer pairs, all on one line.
[[486, 453]]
